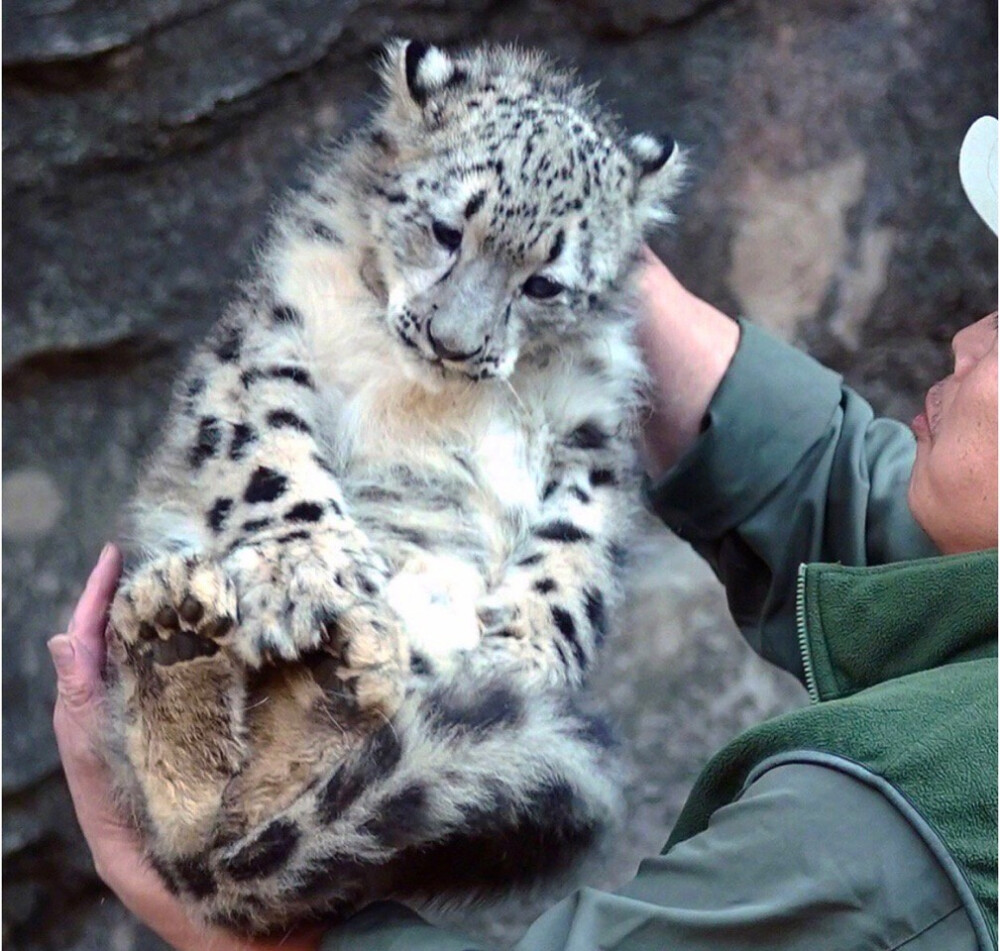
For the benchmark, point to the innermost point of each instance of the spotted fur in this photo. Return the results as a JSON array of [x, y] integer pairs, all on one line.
[[378, 549]]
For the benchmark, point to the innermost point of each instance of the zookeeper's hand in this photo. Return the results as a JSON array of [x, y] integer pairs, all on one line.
[[688, 346], [78, 656]]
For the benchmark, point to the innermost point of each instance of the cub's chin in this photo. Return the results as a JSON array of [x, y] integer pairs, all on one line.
[[430, 376], [434, 376]]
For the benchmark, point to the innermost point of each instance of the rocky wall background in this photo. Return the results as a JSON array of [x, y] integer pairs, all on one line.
[[143, 145]]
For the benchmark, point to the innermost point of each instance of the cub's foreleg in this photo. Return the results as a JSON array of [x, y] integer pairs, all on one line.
[[247, 472], [246, 555]]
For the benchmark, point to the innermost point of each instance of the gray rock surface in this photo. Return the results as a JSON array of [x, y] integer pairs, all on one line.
[[144, 143]]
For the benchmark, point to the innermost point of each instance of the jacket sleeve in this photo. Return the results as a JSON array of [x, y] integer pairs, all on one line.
[[781, 868], [791, 467]]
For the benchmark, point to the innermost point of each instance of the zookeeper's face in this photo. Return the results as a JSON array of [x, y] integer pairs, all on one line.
[[953, 488]]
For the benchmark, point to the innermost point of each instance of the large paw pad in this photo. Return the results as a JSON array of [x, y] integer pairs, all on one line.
[[175, 609]]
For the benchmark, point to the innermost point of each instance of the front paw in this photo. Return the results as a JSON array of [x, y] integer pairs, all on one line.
[[537, 634], [297, 594], [524, 618], [175, 608]]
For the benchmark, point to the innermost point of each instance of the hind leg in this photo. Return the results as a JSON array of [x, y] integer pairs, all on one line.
[[183, 697], [548, 618], [549, 614]]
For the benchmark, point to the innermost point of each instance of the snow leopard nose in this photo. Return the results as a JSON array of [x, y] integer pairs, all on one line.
[[442, 349]]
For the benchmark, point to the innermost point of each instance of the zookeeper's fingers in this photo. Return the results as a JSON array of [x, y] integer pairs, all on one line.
[[91, 614], [76, 722], [79, 653]]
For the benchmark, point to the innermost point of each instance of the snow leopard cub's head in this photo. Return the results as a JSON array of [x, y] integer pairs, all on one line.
[[507, 209]]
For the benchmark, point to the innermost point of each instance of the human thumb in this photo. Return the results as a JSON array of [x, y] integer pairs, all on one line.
[[73, 687]]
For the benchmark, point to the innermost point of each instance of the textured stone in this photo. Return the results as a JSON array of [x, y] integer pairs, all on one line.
[[861, 278], [790, 240], [144, 143], [31, 503], [87, 429], [34, 34], [633, 17], [37, 813]]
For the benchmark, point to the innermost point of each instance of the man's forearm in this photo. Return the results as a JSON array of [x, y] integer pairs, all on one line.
[[688, 346]]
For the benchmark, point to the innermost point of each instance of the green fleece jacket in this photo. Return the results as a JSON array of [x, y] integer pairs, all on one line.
[[901, 662], [869, 818]]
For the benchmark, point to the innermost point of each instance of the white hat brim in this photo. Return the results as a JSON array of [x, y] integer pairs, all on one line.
[[977, 168]]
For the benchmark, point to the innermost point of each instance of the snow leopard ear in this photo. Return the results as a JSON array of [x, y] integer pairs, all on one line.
[[659, 167], [414, 71]]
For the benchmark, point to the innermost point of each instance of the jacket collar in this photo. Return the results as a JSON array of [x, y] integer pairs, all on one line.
[[861, 626]]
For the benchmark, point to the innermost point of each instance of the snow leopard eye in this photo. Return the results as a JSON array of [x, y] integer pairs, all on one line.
[[446, 236], [541, 288]]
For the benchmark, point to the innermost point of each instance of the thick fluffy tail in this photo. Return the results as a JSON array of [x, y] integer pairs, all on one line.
[[473, 791]]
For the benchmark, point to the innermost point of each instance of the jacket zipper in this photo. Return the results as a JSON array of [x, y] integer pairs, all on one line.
[[800, 623]]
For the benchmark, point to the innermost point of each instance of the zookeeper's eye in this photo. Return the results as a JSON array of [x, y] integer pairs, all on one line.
[[541, 288], [446, 236]]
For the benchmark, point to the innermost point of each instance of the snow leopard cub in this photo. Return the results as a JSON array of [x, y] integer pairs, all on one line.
[[378, 549]]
